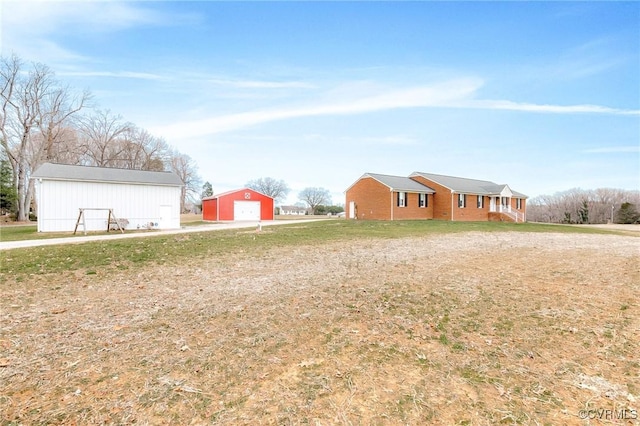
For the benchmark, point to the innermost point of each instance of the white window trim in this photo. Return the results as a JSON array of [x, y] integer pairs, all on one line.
[[462, 201], [402, 199], [480, 202], [421, 198]]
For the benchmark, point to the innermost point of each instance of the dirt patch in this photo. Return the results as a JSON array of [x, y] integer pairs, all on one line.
[[475, 328]]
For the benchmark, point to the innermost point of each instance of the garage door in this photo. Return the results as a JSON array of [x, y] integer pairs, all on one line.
[[246, 210]]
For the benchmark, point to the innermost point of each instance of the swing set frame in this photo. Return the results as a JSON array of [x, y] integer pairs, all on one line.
[[111, 220]]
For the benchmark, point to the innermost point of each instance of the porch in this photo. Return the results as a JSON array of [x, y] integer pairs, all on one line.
[[502, 206]]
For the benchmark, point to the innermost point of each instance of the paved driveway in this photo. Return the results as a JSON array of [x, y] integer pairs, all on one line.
[[7, 245]]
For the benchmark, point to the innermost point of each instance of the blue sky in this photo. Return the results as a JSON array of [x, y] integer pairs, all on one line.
[[544, 96]]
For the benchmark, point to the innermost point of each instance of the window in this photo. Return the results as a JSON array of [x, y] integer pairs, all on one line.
[[462, 200], [518, 203], [480, 201], [402, 199], [423, 200]]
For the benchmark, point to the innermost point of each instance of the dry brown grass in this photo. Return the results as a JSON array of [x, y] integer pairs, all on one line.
[[474, 328]]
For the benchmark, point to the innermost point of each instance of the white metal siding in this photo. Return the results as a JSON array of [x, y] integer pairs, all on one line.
[[59, 203]]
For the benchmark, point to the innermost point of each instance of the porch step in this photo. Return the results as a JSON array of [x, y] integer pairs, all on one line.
[[501, 217]]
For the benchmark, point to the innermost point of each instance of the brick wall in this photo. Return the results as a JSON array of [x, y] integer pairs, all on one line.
[[412, 209], [441, 199], [471, 212], [374, 201]]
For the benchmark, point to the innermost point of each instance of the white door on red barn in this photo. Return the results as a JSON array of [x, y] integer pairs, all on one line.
[[246, 210]]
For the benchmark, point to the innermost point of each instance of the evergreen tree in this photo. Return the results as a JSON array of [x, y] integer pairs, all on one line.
[[627, 214], [583, 213], [8, 193], [207, 190]]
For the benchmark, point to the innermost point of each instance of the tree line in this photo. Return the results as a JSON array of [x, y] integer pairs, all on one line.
[[42, 120], [316, 199], [603, 205]]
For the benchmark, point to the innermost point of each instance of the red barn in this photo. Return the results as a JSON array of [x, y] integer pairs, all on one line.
[[241, 204]]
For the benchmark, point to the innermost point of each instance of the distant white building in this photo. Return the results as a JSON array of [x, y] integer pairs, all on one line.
[[293, 210], [139, 199]]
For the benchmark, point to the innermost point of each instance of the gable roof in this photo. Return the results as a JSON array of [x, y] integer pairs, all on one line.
[[398, 183], [51, 171], [233, 191], [470, 186]]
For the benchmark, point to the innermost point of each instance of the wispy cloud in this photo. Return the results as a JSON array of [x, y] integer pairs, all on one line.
[[390, 140], [545, 108], [194, 79], [596, 57], [30, 28], [39, 18], [420, 96], [613, 150], [452, 94], [119, 74], [396, 140], [256, 84], [590, 58]]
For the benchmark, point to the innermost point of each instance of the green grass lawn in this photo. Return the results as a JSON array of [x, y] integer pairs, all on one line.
[[172, 249], [30, 232], [25, 232]]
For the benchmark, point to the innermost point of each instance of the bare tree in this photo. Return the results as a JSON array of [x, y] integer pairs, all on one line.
[[579, 206], [58, 109], [314, 197], [137, 149], [156, 150], [276, 189], [23, 98], [102, 138], [187, 171], [38, 124], [65, 149], [607, 200], [9, 71]]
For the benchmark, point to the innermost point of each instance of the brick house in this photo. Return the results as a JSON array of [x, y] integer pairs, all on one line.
[[432, 196], [383, 197]]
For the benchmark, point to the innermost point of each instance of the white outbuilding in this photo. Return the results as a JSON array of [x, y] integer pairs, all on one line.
[[137, 199]]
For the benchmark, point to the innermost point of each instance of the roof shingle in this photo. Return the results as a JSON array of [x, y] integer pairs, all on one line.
[[104, 174], [466, 185], [400, 183]]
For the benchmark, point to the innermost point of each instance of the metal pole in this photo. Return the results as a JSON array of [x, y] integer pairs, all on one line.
[[612, 208]]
